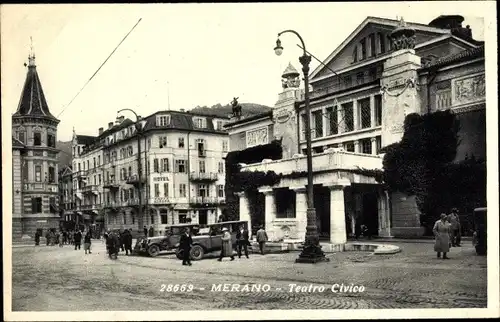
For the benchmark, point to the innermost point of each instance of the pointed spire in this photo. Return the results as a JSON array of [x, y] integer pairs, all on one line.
[[31, 56]]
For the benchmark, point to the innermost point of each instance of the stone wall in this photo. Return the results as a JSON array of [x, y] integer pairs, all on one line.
[[405, 216]]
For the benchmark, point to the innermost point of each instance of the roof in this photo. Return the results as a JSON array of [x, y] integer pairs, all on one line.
[[250, 118], [464, 55], [16, 144], [290, 70], [85, 139], [32, 101]]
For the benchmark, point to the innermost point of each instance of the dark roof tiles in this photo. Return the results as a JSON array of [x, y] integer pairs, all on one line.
[[456, 58], [85, 139]]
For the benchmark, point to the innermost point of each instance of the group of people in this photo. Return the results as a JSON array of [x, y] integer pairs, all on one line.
[[242, 243], [447, 233], [64, 237], [118, 240]]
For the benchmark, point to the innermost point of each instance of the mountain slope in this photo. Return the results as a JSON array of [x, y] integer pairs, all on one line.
[[64, 155]]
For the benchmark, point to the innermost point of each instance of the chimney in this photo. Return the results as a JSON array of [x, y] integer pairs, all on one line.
[[101, 130], [182, 110], [110, 125]]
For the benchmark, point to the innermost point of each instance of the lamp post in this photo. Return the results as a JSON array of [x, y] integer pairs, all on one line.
[[139, 165], [311, 252]]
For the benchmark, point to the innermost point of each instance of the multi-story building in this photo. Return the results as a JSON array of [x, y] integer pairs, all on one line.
[[34, 152], [182, 171], [67, 199], [385, 70]]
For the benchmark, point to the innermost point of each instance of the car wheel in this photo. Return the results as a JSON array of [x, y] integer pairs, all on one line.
[[153, 250], [197, 252], [179, 253]]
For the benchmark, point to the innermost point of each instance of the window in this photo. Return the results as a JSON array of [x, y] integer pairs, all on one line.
[[378, 141], [98, 160], [355, 54], [378, 110], [372, 73], [347, 81], [129, 172], [224, 146], [180, 166], [200, 122], [88, 164], [133, 218], [360, 78], [202, 166], [365, 113], [318, 123], [183, 217], [52, 175], [221, 166], [100, 179], [79, 169], [94, 163], [200, 144], [155, 166], [366, 146], [181, 142], [163, 120], [78, 150], [124, 218], [219, 125], [165, 166], [130, 151], [51, 140], [303, 123], [373, 51], [131, 193], [381, 39], [36, 205], [182, 190], [333, 119], [164, 218], [52, 205], [37, 138], [202, 190], [162, 142], [21, 136], [220, 190], [38, 173], [348, 117], [157, 190], [349, 146], [165, 190], [363, 48]]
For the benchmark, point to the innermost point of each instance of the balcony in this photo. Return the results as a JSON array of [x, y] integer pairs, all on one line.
[[159, 200], [81, 174], [111, 205], [203, 201], [203, 176], [134, 180], [40, 187], [130, 202], [111, 184], [330, 160], [90, 188]]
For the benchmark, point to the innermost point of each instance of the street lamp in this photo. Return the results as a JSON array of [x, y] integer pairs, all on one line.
[[139, 166], [311, 252]]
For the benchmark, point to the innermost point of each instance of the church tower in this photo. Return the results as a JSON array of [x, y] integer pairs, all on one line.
[[35, 163]]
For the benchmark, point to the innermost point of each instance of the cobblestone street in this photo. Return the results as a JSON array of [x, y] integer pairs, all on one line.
[[61, 279]]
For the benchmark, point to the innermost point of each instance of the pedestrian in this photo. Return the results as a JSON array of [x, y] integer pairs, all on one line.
[[37, 237], [242, 240], [122, 240], [442, 234], [87, 241], [227, 247], [60, 239], [145, 231], [151, 231], [454, 220], [77, 237], [112, 244], [185, 245], [127, 241], [47, 237], [261, 239]]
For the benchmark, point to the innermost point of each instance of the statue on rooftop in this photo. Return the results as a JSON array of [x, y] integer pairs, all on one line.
[[236, 107]]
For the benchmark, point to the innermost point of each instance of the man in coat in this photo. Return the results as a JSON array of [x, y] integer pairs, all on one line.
[[242, 240], [455, 227], [127, 241], [77, 238], [227, 247], [145, 231], [261, 239], [185, 245]]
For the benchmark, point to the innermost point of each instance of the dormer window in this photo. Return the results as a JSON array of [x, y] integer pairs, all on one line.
[[163, 120], [200, 122]]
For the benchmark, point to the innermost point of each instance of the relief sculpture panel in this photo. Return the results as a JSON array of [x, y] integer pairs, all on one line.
[[257, 137], [285, 128], [470, 89]]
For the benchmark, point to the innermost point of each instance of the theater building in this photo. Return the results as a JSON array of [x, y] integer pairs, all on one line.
[[385, 70]]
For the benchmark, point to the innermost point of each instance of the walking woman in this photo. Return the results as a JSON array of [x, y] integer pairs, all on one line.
[[87, 241], [442, 234], [227, 247]]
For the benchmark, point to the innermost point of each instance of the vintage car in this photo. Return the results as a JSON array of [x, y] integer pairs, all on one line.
[[209, 239], [480, 231], [154, 245]]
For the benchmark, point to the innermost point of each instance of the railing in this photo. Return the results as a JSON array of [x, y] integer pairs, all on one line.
[[204, 200], [203, 176], [159, 200], [110, 183], [329, 160], [111, 204]]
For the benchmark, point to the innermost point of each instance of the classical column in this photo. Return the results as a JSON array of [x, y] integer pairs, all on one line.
[[301, 211], [356, 146], [338, 233], [340, 124], [374, 146], [372, 110], [325, 122], [270, 211], [384, 215], [245, 210]]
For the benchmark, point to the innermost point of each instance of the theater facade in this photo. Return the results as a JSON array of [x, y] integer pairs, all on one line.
[[385, 70]]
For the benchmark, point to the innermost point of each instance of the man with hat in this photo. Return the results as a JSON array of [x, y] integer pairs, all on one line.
[[455, 227], [227, 247]]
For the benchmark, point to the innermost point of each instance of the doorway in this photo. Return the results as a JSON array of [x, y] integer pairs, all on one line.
[[203, 217], [322, 206], [370, 213]]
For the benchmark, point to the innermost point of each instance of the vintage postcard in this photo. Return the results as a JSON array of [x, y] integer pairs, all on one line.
[[258, 161]]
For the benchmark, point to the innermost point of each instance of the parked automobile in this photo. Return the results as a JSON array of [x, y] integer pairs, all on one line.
[[211, 240], [480, 231], [154, 245]]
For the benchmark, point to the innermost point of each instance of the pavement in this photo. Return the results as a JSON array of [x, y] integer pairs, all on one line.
[[62, 279]]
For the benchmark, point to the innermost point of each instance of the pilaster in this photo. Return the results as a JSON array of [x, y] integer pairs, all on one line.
[[355, 115], [356, 146], [338, 233], [301, 211], [245, 210], [372, 110], [270, 211], [374, 145], [384, 215]]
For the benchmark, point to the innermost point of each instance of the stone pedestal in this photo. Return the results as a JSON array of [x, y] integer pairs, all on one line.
[[270, 211], [337, 212], [245, 210], [300, 211]]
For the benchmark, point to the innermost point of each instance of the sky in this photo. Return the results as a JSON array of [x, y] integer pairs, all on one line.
[[179, 55]]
